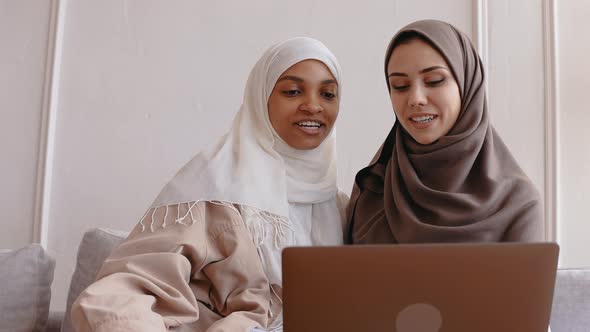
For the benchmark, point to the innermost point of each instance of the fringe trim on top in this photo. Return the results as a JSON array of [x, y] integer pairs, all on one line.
[[177, 220], [257, 220], [227, 205]]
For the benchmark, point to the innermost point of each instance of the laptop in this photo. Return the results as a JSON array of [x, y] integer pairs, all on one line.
[[496, 287]]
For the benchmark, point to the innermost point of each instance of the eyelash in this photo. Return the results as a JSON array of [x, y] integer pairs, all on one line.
[[294, 93], [291, 93], [329, 95], [434, 83], [400, 87]]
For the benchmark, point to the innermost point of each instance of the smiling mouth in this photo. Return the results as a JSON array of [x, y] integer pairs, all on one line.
[[312, 128], [423, 119], [310, 124]]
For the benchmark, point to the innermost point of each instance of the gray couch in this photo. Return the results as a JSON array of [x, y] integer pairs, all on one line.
[[571, 303]]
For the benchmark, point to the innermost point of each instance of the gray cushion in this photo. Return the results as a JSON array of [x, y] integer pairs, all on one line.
[[96, 245], [26, 275], [571, 301]]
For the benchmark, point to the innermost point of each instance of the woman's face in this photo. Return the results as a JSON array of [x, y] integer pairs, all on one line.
[[424, 93], [304, 103]]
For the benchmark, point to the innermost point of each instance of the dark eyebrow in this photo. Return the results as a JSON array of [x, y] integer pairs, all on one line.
[[425, 70], [300, 80], [397, 74], [291, 78], [330, 81]]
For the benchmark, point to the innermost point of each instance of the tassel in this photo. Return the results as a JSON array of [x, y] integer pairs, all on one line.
[[189, 212], [165, 215], [141, 220], [256, 221], [152, 223]]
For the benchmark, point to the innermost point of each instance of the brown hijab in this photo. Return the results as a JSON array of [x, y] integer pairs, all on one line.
[[465, 187]]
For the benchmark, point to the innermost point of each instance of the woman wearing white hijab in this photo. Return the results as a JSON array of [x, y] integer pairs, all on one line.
[[206, 255]]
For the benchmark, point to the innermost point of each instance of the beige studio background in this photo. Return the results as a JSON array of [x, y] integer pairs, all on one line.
[[102, 101]]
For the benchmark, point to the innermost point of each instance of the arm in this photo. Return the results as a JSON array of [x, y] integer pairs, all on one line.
[[145, 284], [240, 289]]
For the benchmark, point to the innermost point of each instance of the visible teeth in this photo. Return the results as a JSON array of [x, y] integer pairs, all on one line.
[[309, 124], [425, 118]]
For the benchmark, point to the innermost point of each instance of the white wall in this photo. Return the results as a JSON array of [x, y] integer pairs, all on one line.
[[574, 121], [23, 49], [144, 85], [515, 81]]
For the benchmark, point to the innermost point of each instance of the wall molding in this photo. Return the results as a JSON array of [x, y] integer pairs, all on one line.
[[481, 32], [552, 153], [48, 122]]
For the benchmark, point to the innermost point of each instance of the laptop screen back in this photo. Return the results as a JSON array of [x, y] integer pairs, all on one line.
[[419, 288]]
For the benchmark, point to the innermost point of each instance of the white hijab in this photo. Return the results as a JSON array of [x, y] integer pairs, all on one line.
[[252, 165]]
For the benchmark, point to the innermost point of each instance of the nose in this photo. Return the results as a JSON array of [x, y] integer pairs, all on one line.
[[417, 96], [311, 104]]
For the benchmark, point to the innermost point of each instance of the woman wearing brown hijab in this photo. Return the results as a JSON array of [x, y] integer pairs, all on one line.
[[443, 174]]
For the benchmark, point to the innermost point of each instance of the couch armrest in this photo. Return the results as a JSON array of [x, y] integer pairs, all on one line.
[[571, 301]]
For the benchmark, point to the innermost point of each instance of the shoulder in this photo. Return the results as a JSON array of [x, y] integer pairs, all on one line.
[[221, 217], [189, 217]]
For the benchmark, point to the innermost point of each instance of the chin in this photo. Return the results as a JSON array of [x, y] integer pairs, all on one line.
[[424, 140], [306, 145]]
